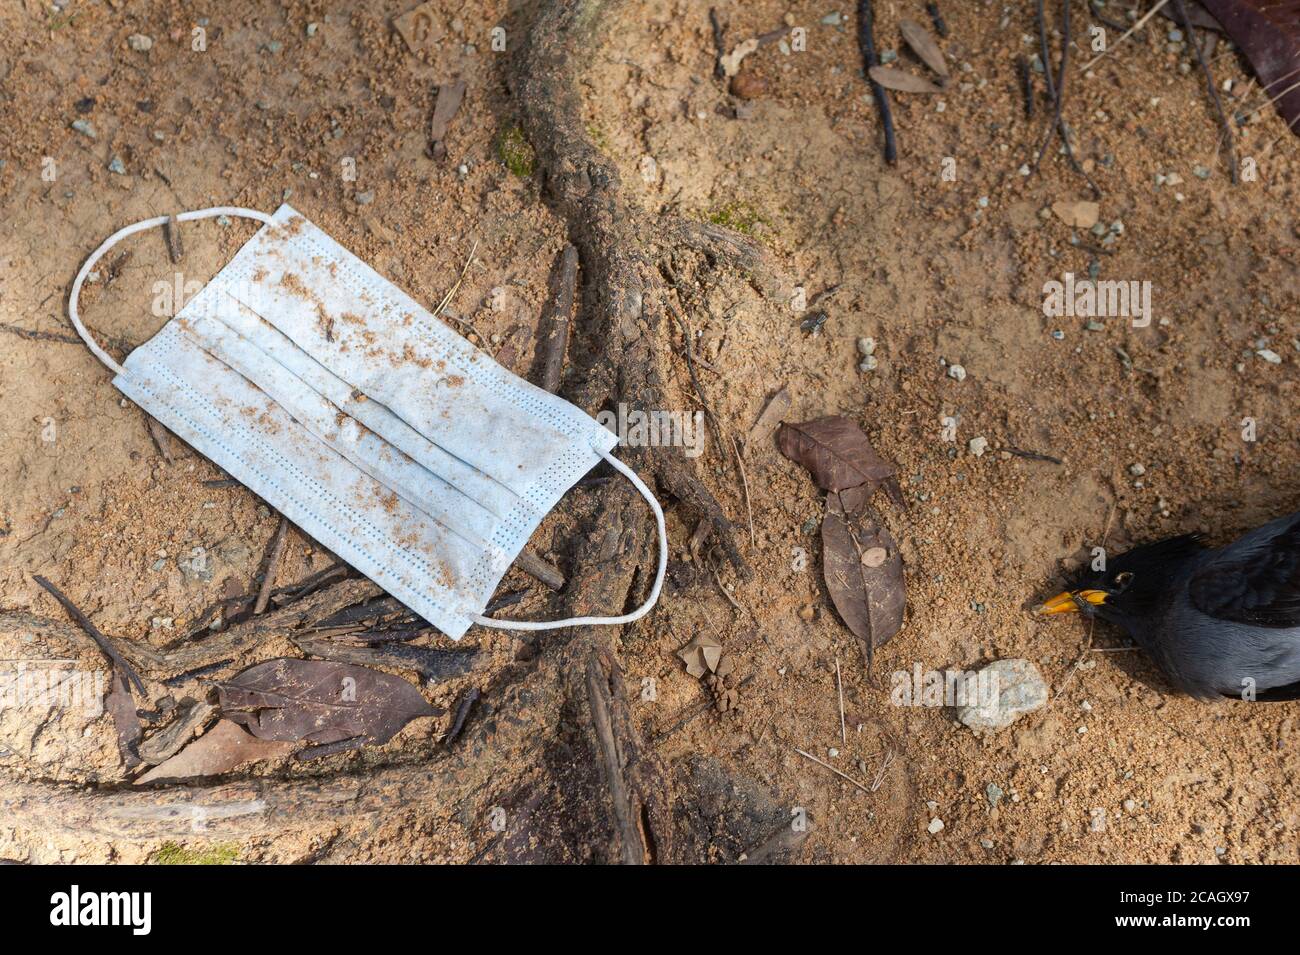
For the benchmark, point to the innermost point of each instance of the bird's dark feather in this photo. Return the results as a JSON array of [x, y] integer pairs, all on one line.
[[1255, 580]]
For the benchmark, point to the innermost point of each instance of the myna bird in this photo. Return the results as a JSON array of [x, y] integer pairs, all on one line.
[[1218, 622]]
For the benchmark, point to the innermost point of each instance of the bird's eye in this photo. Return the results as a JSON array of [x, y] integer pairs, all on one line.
[[1123, 579]]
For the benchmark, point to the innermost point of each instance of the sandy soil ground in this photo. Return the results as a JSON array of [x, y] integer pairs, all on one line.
[[936, 271]]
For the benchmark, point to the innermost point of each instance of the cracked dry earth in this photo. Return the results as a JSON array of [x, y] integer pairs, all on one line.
[[935, 271]]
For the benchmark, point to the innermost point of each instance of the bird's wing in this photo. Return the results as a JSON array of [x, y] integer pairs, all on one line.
[[1255, 580]]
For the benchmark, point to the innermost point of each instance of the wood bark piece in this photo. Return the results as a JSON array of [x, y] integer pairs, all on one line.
[[553, 329]]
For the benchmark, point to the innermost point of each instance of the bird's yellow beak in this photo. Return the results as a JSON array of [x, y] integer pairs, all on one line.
[[1071, 601]]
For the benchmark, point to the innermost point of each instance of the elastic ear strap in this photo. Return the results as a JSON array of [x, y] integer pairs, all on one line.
[[120, 234], [636, 614]]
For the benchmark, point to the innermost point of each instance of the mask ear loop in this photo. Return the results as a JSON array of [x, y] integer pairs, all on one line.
[[636, 614], [120, 234]]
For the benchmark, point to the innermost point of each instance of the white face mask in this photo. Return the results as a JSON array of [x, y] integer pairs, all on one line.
[[366, 421]]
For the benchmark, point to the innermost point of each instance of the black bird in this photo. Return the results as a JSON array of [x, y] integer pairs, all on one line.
[[1218, 622]]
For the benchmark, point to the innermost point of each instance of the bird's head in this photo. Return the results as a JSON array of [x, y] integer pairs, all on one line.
[[1131, 587]]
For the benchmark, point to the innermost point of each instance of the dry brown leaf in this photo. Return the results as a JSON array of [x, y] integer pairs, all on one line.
[[776, 408], [221, 749], [902, 81], [870, 597], [924, 46], [836, 452]]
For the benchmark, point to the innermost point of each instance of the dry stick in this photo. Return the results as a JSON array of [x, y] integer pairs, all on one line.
[[834, 770], [1057, 89], [272, 566], [744, 483], [172, 233], [718, 580], [553, 328], [719, 43], [839, 687], [463, 707], [940, 27], [879, 779], [93, 632], [1027, 79], [1128, 33], [1226, 130], [867, 44], [531, 563], [451, 292]]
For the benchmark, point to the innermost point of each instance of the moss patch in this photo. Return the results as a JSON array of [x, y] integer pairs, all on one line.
[[221, 853], [515, 152], [737, 216]]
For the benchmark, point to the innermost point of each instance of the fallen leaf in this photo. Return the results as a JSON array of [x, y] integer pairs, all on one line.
[[924, 46], [120, 705], [1080, 215], [837, 453], [449, 99], [701, 656], [320, 701], [221, 749], [1268, 33], [776, 408], [902, 81], [869, 598]]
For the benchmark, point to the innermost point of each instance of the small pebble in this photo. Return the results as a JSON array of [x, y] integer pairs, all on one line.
[[1129, 805], [85, 127], [1137, 470], [117, 166], [140, 43], [957, 372], [936, 826], [1270, 356], [312, 28], [978, 446]]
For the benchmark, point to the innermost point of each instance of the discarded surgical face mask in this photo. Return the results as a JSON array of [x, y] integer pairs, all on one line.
[[365, 420]]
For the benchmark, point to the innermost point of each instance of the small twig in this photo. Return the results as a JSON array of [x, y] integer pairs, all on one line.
[[834, 770], [272, 567], [553, 329], [1057, 90], [451, 292], [839, 687], [93, 632], [172, 233], [878, 780], [463, 706], [1128, 33], [1027, 81], [744, 483], [1029, 455], [940, 27], [719, 43], [867, 44], [1224, 127], [162, 439], [535, 566], [718, 580]]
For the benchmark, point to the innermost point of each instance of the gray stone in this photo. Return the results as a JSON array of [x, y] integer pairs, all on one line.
[[1019, 689]]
